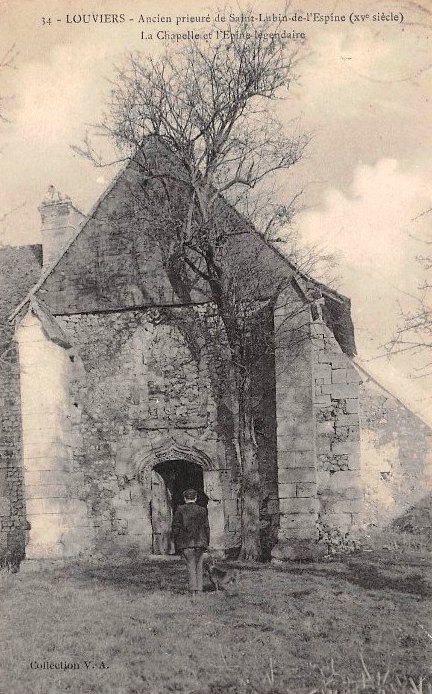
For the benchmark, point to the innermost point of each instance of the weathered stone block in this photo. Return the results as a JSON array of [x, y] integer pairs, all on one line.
[[3, 479], [338, 376], [304, 458], [323, 371], [53, 476], [340, 391], [298, 505], [318, 329], [287, 491], [354, 459], [34, 506], [138, 526], [323, 445], [120, 503], [4, 506], [306, 489], [339, 361], [292, 475], [303, 533], [344, 447], [32, 477], [303, 443], [62, 506], [343, 506], [347, 419], [47, 491], [62, 464], [285, 446], [323, 400], [326, 427], [285, 426], [353, 376], [338, 481], [322, 478], [354, 493], [69, 521], [284, 395], [297, 520], [351, 404]]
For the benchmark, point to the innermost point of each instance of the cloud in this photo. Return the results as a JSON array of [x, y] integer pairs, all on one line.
[[371, 224]]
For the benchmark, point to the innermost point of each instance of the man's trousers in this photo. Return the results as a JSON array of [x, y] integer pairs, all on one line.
[[194, 557]]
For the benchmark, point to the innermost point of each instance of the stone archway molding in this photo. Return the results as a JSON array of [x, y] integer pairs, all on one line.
[[171, 450], [167, 448]]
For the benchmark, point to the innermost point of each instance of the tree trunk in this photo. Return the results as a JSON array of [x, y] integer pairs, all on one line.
[[250, 482]]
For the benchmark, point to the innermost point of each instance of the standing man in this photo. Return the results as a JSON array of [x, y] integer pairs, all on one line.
[[191, 532]]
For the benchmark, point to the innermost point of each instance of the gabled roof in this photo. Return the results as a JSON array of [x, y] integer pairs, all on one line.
[[92, 236]]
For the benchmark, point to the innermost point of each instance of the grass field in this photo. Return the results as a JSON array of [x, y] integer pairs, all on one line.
[[131, 628]]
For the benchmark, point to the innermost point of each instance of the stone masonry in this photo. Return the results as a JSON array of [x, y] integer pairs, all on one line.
[[336, 403], [122, 385], [396, 455], [19, 269], [128, 395], [295, 423]]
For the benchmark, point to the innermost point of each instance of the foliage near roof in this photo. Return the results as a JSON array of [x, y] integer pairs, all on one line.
[[114, 262]]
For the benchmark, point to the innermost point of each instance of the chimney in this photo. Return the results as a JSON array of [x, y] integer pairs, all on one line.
[[60, 220]]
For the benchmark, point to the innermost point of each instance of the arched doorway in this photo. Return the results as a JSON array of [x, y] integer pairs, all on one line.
[[169, 479]]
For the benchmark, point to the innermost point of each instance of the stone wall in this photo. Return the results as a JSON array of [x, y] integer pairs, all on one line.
[[139, 395], [12, 505], [130, 393], [19, 269], [396, 455], [141, 392], [53, 481], [337, 437], [295, 423]]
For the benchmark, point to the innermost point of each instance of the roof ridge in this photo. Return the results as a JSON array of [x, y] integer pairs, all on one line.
[[250, 226]]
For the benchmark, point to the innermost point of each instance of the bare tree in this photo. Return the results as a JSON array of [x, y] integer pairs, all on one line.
[[414, 334], [199, 123]]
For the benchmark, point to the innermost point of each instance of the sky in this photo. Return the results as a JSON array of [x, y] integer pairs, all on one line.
[[363, 92]]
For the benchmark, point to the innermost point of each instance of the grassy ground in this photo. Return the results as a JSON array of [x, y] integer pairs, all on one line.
[[284, 631]]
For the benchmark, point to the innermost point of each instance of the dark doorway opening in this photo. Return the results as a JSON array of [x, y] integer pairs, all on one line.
[[179, 475], [169, 481]]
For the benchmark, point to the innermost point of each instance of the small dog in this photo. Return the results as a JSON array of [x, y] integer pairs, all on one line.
[[221, 579]]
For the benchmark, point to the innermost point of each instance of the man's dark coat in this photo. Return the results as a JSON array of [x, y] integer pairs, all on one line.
[[191, 527]]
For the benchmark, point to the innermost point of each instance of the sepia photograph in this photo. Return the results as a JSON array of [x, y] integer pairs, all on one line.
[[216, 347]]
